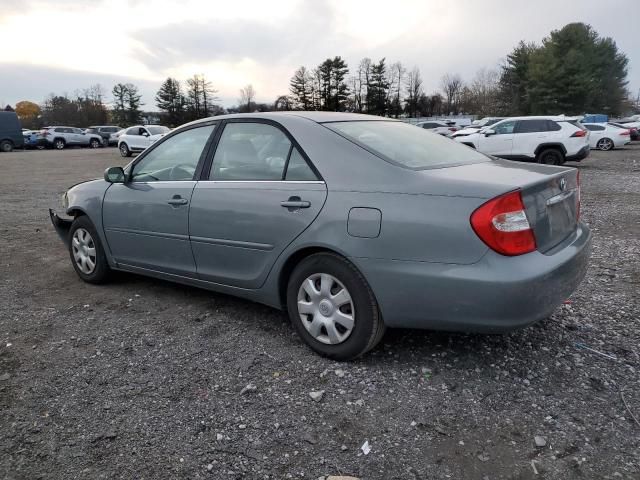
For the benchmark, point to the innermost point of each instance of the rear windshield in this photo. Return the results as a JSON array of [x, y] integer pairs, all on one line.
[[406, 145]]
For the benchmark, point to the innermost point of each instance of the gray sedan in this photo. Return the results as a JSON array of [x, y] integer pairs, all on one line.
[[351, 223]]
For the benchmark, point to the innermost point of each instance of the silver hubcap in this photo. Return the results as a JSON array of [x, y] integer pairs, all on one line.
[[59, 145], [123, 150], [84, 251], [605, 144], [326, 308]]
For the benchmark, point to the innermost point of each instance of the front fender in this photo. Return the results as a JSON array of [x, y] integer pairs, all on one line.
[[61, 225]]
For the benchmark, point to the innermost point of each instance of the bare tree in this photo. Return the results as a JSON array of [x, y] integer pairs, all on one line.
[[413, 85], [484, 91], [247, 95], [451, 85], [395, 75]]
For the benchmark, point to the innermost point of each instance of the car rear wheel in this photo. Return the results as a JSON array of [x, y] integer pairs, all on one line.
[[6, 146], [605, 144], [87, 254], [333, 308], [58, 144], [550, 156], [105, 142], [94, 143], [124, 150]]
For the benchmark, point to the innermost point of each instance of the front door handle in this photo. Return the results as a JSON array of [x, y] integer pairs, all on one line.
[[295, 202], [177, 200]]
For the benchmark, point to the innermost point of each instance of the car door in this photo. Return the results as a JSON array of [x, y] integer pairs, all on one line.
[[259, 194], [146, 219], [80, 138], [499, 143], [134, 138], [528, 134]]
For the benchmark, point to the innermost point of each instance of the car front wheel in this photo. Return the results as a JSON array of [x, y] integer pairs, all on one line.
[[87, 254], [124, 150], [333, 308]]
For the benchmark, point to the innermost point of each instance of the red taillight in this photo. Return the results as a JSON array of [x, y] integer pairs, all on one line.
[[453, 129], [579, 133], [626, 132], [502, 224]]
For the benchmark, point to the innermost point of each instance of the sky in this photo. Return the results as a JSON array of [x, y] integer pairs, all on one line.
[[62, 46]]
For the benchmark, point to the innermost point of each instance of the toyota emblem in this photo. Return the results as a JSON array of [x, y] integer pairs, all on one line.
[[563, 184]]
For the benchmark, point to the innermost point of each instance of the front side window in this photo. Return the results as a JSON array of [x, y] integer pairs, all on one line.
[[594, 128], [250, 151], [133, 131], [174, 159], [405, 145], [504, 128]]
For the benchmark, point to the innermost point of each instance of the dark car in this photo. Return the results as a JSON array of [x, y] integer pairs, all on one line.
[[10, 132], [105, 132]]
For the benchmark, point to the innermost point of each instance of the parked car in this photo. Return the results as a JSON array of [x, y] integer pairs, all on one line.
[[114, 137], [349, 222], [607, 137], [139, 137], [439, 127], [548, 140], [476, 125], [10, 132], [33, 139], [105, 131], [61, 137], [633, 127]]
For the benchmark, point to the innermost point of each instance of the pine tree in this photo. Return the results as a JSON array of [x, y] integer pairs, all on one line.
[[119, 112], [132, 98], [301, 88], [170, 100], [377, 89]]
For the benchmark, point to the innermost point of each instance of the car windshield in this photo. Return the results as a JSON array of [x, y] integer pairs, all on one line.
[[405, 145], [157, 130]]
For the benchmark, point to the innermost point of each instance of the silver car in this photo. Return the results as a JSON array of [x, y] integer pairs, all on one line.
[[61, 137], [351, 223]]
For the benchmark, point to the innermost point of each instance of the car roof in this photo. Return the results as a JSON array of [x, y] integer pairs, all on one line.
[[557, 118], [318, 117]]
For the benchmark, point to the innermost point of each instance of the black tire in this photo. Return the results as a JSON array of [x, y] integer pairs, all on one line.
[[550, 156], [101, 272], [59, 144], [105, 142], [6, 146], [368, 327], [124, 150], [605, 144], [95, 143]]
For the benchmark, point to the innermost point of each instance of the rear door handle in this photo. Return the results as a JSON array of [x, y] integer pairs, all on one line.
[[295, 202], [177, 200]]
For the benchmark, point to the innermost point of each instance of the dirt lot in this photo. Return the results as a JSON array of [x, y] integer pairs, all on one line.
[[146, 379]]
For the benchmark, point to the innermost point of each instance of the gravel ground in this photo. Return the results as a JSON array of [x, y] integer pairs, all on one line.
[[145, 379]]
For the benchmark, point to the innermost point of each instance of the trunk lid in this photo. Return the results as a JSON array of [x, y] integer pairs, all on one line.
[[550, 194]]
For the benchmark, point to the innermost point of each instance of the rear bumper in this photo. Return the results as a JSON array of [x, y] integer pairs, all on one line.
[[496, 294], [61, 225], [582, 154]]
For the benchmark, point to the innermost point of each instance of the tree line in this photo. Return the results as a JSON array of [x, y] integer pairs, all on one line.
[[572, 71]]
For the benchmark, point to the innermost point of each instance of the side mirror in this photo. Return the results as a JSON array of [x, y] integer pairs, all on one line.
[[114, 175], [489, 131], [146, 134]]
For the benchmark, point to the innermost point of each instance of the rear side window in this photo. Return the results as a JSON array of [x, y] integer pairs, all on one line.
[[406, 146], [531, 126], [298, 169], [553, 126]]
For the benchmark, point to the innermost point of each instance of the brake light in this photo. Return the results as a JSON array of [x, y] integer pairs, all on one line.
[[579, 133], [502, 224], [453, 129], [626, 132]]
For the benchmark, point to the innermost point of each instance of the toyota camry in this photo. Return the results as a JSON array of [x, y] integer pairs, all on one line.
[[351, 223]]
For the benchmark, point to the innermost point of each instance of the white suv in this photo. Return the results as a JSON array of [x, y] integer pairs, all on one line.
[[136, 139], [439, 127], [549, 140]]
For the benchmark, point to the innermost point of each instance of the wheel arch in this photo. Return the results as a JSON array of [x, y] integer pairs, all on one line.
[[293, 260], [552, 145]]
